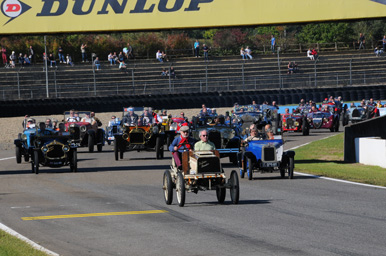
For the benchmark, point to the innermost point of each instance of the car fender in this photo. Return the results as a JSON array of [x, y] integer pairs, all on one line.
[[18, 142], [289, 153], [250, 155]]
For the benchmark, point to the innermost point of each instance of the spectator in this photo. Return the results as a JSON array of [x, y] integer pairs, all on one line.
[[206, 52], [12, 59], [315, 54], [121, 56], [248, 52], [52, 60], [158, 56], [164, 57], [242, 53], [197, 49], [125, 52], [45, 59], [31, 55], [172, 72], [69, 60], [111, 59], [361, 41], [130, 52], [296, 67], [97, 63], [20, 59], [61, 55], [164, 72], [26, 61], [273, 44], [309, 54], [290, 68], [4, 55], [378, 52], [84, 54], [384, 43], [122, 66]]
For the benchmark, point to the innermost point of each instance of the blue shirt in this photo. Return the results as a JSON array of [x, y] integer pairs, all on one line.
[[183, 148], [273, 41], [196, 44]]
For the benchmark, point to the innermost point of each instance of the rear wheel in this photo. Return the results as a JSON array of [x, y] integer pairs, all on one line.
[[168, 187], [291, 167], [235, 189], [250, 168], [18, 154], [90, 143], [220, 192], [36, 162], [305, 127], [74, 161], [336, 126], [26, 157], [99, 147], [116, 149], [159, 147], [180, 189]]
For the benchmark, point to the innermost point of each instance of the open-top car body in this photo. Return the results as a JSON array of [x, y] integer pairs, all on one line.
[[201, 171], [172, 127], [114, 127], [266, 156], [360, 113], [47, 146], [86, 130], [327, 117], [144, 134], [294, 122]]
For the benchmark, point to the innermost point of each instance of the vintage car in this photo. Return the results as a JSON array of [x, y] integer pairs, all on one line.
[[294, 122], [327, 117], [86, 131], [47, 146], [201, 171], [266, 156], [172, 127], [143, 135], [114, 127], [357, 114], [226, 137], [260, 115]]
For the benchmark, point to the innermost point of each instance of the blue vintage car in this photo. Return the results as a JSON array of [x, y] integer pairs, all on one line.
[[114, 127], [46, 146], [266, 156]]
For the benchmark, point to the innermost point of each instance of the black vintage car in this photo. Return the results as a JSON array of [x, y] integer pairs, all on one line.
[[144, 134], [48, 146]]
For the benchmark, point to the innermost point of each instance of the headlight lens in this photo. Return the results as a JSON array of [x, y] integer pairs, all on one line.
[[66, 148], [44, 149], [24, 137]]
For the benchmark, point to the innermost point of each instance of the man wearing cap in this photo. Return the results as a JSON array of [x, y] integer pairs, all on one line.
[[130, 118], [180, 144], [204, 143]]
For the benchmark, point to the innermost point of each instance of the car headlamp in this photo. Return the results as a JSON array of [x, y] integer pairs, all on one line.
[[296, 123], [44, 149], [24, 137], [66, 148]]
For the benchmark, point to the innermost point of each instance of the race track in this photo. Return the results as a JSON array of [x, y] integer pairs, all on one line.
[[117, 208]]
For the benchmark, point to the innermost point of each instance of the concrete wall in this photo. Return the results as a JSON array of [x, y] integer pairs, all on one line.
[[375, 127], [371, 151]]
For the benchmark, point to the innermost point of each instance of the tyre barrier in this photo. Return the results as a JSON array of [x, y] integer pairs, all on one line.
[[10, 108]]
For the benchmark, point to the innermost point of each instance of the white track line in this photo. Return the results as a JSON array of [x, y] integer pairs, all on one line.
[[7, 158], [332, 179], [23, 238]]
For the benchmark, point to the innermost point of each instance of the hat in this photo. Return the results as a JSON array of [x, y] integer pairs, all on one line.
[[145, 109], [184, 128]]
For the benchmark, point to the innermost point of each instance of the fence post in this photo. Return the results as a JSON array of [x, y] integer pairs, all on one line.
[[315, 73], [255, 83], [144, 89], [56, 89], [364, 77], [200, 86], [278, 64], [228, 84], [132, 80], [350, 72], [318, 47], [242, 72], [300, 48], [170, 82], [336, 46], [93, 71], [206, 76], [18, 84]]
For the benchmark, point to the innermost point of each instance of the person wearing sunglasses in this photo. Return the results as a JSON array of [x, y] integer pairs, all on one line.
[[180, 144], [204, 143]]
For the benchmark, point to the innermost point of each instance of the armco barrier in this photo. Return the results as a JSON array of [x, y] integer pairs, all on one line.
[[49, 106]]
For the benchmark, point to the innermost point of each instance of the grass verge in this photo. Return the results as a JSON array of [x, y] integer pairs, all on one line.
[[12, 246], [325, 158]]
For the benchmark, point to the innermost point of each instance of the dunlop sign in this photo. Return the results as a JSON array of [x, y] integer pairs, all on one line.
[[56, 16]]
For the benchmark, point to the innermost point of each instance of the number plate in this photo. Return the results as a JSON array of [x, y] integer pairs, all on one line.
[[111, 138], [269, 164], [56, 163]]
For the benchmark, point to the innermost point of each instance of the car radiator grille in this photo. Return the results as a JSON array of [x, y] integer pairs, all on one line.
[[290, 122], [269, 154], [115, 129], [215, 137], [136, 138], [355, 113], [55, 151]]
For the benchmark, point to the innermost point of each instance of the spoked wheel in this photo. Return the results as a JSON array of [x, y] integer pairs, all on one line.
[[250, 168], [90, 143], [18, 154], [180, 189], [74, 161], [35, 163], [220, 192], [116, 149], [168, 187], [159, 147], [235, 189], [291, 167]]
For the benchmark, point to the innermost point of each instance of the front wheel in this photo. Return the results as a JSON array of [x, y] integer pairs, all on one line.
[[180, 189], [116, 149], [74, 161], [168, 187], [243, 170], [90, 143], [159, 148], [291, 167], [250, 168], [99, 147], [235, 188], [18, 154], [36, 162], [220, 192]]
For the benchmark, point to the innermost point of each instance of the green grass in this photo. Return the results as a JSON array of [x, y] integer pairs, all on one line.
[[12, 246], [325, 158]]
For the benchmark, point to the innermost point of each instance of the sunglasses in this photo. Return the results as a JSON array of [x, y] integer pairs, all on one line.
[[204, 135], [185, 131]]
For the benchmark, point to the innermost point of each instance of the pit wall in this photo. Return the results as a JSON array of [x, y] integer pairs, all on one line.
[[370, 151]]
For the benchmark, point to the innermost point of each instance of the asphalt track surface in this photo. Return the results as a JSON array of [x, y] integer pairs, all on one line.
[[117, 208]]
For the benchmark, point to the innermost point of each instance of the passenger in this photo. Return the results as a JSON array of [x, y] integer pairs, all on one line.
[[130, 118], [313, 109], [180, 144], [325, 108], [86, 118], [269, 132], [204, 143], [156, 118], [146, 117], [48, 123], [77, 118], [55, 125], [275, 105]]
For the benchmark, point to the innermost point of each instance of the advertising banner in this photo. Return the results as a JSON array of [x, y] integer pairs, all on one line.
[[57, 16]]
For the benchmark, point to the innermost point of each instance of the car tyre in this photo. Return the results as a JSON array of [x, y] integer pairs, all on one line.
[[250, 168], [90, 143], [18, 154], [305, 128], [168, 187], [116, 149], [291, 167], [221, 193], [235, 188], [36, 162], [159, 147], [180, 189], [99, 147], [26, 157], [336, 126], [74, 161], [243, 170]]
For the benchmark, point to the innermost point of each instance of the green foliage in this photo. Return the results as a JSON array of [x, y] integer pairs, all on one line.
[[325, 33], [209, 34], [11, 246]]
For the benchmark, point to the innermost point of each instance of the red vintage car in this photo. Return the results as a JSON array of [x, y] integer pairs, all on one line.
[[294, 122], [326, 117]]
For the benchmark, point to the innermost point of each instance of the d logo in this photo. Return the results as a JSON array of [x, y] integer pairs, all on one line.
[[13, 8]]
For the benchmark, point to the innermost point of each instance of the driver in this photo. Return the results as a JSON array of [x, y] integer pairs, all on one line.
[[72, 118], [253, 134], [30, 123], [180, 144], [130, 118], [48, 123]]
